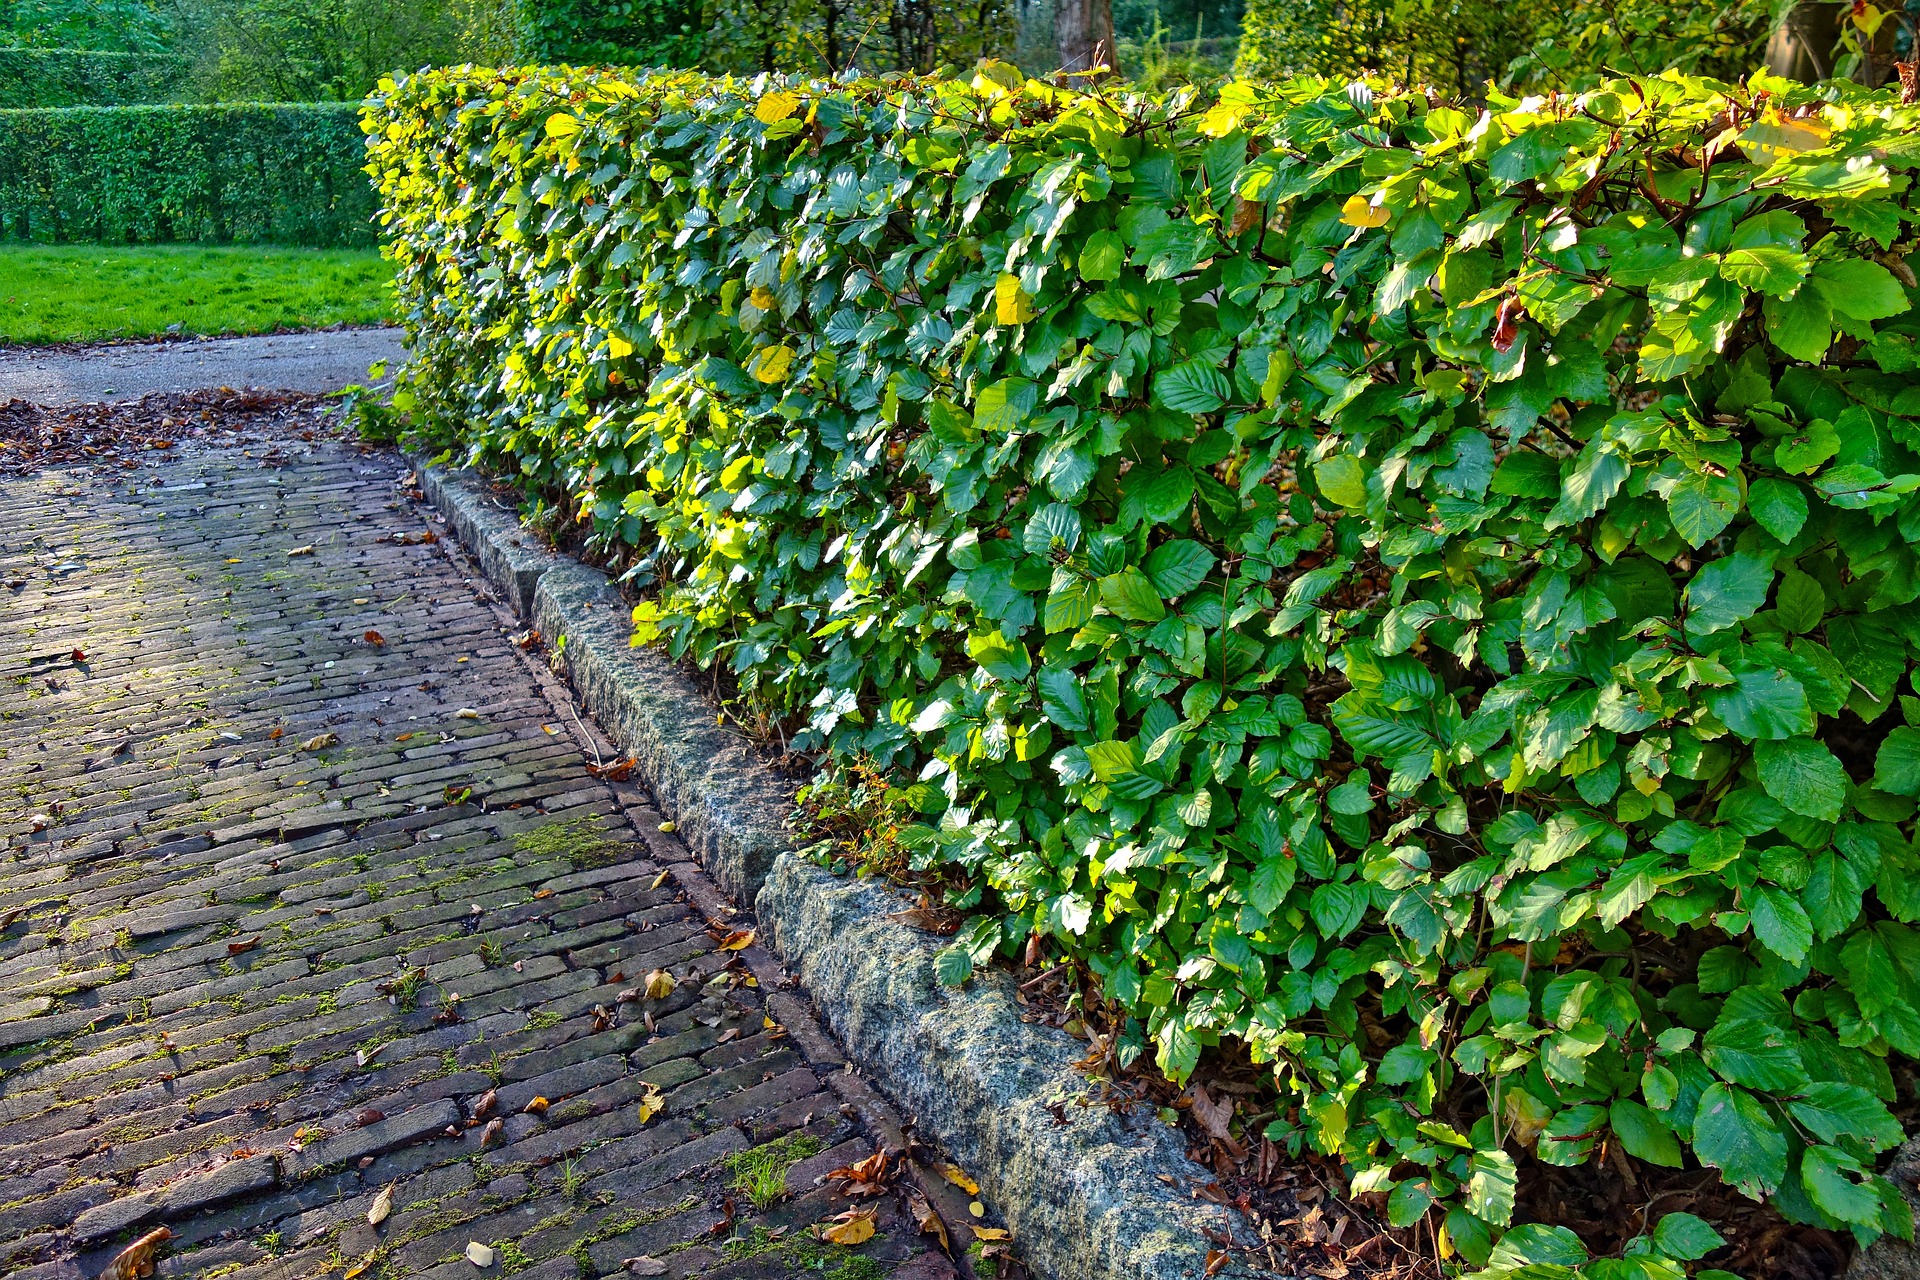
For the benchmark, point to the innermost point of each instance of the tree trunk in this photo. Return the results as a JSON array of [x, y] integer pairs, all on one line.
[[1801, 48], [1083, 31]]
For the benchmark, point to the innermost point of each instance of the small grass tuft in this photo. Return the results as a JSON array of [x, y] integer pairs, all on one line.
[[761, 1172]]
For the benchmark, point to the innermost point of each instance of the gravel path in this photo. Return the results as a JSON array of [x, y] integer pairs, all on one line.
[[323, 361], [311, 907]]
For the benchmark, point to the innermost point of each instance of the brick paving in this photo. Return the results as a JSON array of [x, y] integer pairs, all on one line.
[[308, 891]]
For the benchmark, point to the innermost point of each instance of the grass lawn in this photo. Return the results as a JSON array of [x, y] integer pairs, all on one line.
[[83, 293]]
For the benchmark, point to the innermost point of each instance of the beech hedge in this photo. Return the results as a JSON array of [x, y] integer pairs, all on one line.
[[280, 173], [1422, 589], [33, 77]]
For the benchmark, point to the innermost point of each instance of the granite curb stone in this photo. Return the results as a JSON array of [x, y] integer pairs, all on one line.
[[1098, 1197]]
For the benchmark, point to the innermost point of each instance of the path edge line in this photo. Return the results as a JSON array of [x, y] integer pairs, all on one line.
[[1088, 1193]]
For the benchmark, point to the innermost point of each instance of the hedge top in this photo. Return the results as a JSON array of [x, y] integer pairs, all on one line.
[[1420, 589]]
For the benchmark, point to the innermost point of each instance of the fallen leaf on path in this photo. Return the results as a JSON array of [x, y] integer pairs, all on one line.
[[855, 1226], [537, 1106], [958, 1177], [618, 771], [490, 1134], [478, 1254], [738, 940], [1217, 1260], [299, 551], [866, 1178], [660, 984], [484, 1103], [368, 1055], [79, 655], [660, 879], [644, 1266], [374, 638], [929, 1219], [466, 713], [405, 737], [382, 1206], [371, 1115], [320, 742], [990, 1233], [542, 893], [359, 1268], [136, 1260], [650, 1104], [243, 946]]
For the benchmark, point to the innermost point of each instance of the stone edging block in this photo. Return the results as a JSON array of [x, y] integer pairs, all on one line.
[[1088, 1193]]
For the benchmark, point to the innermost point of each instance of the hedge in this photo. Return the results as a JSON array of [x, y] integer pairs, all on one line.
[[275, 173], [1423, 592], [86, 78]]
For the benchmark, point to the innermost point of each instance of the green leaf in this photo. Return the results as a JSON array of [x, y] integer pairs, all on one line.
[[1700, 506], [1807, 448], [1070, 606], [1763, 704], [1129, 594], [1780, 922], [1897, 766], [1055, 526], [1102, 256], [1193, 387], [1643, 1134], [1409, 1202], [1834, 1111], [1733, 1133], [952, 966], [1113, 759], [1753, 1052], [1802, 605], [1770, 269], [1823, 1172], [1779, 506], [1490, 1186], [1683, 1236], [1001, 658], [1860, 288], [1589, 487], [1339, 908], [1803, 775], [1004, 406], [1343, 479], [1061, 699], [1179, 566], [1801, 326], [1729, 590]]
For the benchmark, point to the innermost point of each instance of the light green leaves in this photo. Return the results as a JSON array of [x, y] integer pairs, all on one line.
[[1729, 590], [1595, 478], [1778, 506], [1343, 479], [1701, 505], [1804, 776], [1102, 256], [1130, 594]]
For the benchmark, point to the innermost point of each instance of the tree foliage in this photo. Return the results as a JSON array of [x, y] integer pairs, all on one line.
[[1424, 592]]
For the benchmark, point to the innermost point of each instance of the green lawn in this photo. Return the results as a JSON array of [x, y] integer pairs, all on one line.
[[83, 293]]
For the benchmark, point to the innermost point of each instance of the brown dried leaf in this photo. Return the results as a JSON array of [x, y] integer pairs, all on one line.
[[374, 638], [536, 1107], [867, 1178], [738, 940], [382, 1206], [136, 1260], [321, 741], [484, 1103], [243, 946], [929, 1220]]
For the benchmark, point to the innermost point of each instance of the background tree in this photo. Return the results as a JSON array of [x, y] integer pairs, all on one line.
[[1083, 33]]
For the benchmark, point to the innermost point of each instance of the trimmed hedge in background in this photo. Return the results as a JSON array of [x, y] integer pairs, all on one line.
[[1424, 591], [266, 173], [86, 78]]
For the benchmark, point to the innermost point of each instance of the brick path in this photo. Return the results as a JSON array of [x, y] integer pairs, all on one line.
[[289, 915]]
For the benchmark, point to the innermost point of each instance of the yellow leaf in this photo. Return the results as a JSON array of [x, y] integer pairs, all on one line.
[[738, 941], [618, 347], [358, 1269], [1357, 212], [855, 1226], [562, 125], [775, 107], [958, 1177], [1222, 119], [660, 984], [382, 1206], [989, 1233], [762, 297], [1012, 305], [650, 1104], [1774, 135], [770, 364]]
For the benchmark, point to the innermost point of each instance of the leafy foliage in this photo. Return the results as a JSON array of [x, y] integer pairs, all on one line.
[[82, 78], [277, 173], [1423, 592]]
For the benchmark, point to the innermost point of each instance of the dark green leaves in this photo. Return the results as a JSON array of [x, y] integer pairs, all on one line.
[[1733, 1132], [1727, 591], [1802, 775]]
